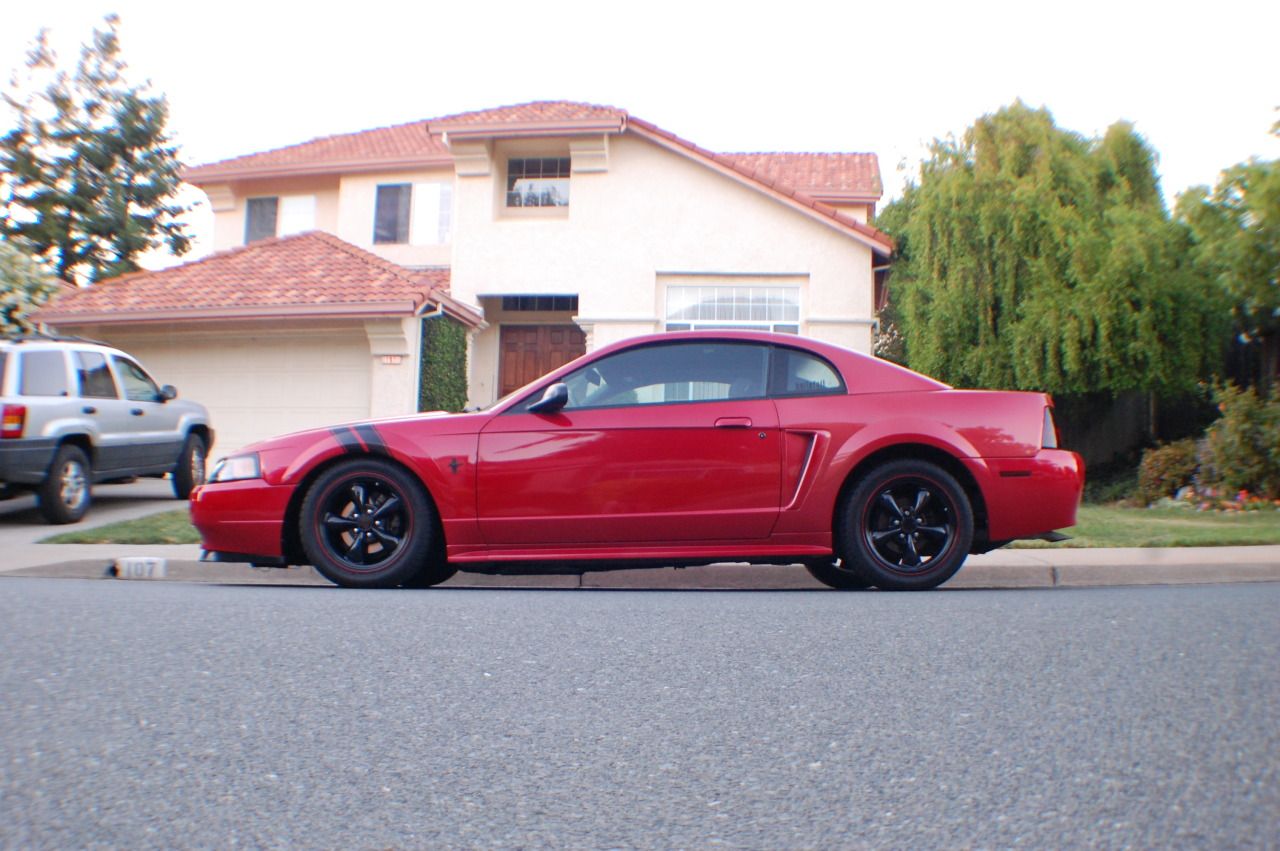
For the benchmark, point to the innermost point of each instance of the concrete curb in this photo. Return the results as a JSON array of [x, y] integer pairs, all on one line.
[[1002, 569]]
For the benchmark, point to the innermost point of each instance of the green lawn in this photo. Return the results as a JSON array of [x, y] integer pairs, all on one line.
[[1099, 526], [167, 527], [1113, 526]]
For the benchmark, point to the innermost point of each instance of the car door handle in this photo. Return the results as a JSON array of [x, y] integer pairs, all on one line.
[[89, 409], [733, 422], [137, 412]]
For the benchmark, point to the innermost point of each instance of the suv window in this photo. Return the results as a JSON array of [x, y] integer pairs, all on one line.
[[3, 356], [43, 374], [95, 378], [138, 386]]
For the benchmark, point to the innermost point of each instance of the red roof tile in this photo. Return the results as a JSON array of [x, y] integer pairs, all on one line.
[[551, 111], [819, 175], [403, 144], [308, 274]]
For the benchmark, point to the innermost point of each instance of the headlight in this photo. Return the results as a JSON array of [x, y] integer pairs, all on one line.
[[237, 467]]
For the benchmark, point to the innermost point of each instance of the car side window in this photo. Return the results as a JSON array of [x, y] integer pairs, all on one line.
[[138, 386], [95, 377], [42, 374], [797, 373], [670, 373]]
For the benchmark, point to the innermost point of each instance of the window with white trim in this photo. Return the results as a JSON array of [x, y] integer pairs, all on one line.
[[538, 182], [763, 308], [413, 213], [278, 216]]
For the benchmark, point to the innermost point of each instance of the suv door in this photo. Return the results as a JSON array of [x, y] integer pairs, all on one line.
[[152, 426], [101, 406]]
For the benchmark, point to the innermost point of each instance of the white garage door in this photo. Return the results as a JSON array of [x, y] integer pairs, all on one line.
[[260, 384]]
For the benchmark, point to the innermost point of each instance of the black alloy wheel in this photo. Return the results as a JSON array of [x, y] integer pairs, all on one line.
[[368, 524], [907, 526]]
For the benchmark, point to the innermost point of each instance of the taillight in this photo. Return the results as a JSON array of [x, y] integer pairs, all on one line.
[[13, 420], [1049, 438]]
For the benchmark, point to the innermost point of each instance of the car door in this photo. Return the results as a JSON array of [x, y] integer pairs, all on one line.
[[100, 403], [152, 426], [667, 442]]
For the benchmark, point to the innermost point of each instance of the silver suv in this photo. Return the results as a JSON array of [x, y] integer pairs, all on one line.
[[76, 412]]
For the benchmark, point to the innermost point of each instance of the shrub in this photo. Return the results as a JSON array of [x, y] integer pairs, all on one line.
[[443, 383], [1242, 448], [1166, 469]]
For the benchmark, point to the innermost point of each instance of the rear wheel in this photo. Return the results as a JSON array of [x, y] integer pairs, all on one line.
[[368, 524], [906, 526], [64, 494], [189, 472]]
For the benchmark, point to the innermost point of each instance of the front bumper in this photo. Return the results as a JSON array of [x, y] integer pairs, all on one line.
[[242, 517]]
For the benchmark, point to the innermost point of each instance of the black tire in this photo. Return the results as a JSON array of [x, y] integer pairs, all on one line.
[[367, 523], [189, 472], [64, 495], [834, 573], [906, 526]]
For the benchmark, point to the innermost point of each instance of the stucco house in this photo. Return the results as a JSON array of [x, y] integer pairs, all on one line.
[[546, 229]]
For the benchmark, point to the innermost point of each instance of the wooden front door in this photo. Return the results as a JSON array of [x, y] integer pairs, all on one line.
[[531, 351]]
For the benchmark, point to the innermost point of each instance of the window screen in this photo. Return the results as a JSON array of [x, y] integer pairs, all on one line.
[[260, 218], [391, 213], [43, 374]]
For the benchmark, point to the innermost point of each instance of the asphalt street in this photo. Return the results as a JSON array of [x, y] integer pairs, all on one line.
[[183, 715]]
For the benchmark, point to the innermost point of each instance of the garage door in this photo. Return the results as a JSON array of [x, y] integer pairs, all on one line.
[[257, 385]]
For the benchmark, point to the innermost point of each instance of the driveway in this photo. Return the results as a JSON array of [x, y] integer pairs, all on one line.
[[21, 524]]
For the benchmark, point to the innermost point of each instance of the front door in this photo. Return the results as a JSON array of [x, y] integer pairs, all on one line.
[[531, 351]]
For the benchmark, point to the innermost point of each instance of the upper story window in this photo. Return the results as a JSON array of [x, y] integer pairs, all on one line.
[[260, 218], [765, 308], [538, 182], [417, 213], [278, 216], [391, 213]]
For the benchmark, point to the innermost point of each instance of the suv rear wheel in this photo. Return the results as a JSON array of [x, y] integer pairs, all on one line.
[[63, 496], [189, 472]]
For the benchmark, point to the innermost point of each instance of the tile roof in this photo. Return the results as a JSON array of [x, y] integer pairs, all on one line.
[[819, 175], [307, 274], [400, 145], [535, 111]]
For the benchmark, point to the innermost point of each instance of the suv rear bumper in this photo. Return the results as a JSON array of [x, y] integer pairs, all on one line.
[[25, 461]]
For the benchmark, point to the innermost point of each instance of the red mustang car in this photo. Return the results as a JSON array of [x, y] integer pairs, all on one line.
[[674, 449]]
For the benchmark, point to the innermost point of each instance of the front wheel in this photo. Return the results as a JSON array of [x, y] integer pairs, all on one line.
[[906, 526], [63, 496], [368, 524]]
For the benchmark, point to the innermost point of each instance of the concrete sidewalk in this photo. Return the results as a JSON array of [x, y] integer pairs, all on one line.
[[1009, 568]]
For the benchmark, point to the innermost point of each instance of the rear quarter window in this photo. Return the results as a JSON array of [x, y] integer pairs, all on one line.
[[42, 374], [3, 362]]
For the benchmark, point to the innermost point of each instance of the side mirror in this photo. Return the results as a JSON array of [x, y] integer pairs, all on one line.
[[553, 399], [168, 392]]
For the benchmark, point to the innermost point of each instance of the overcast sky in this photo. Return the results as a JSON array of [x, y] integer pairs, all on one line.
[[1200, 81]]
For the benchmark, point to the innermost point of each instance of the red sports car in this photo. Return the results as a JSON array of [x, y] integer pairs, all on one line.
[[673, 449]]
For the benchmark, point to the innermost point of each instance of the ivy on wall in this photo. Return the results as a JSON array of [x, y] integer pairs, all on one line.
[[443, 382]]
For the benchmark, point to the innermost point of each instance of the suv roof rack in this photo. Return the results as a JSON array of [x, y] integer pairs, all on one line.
[[49, 338]]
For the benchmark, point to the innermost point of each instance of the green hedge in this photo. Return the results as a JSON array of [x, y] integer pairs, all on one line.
[[443, 383]]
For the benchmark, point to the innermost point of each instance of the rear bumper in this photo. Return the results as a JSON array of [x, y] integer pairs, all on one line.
[[25, 461], [242, 517], [1027, 497]]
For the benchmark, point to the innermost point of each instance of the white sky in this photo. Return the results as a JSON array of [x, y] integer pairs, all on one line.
[[1200, 81]]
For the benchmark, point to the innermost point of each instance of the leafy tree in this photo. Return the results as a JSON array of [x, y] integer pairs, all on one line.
[[1236, 233], [1031, 257], [24, 286], [88, 174]]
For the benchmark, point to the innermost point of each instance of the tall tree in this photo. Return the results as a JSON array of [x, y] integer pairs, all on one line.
[[1031, 257], [88, 175], [24, 286], [1236, 232]]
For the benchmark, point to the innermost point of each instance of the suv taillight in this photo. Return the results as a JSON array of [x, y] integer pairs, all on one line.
[[13, 420]]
